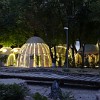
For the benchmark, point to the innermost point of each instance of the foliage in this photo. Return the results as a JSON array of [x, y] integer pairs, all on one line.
[[12, 92], [21, 19], [38, 96]]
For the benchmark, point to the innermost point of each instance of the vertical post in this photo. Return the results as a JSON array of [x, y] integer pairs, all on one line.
[[83, 46], [66, 31], [99, 52]]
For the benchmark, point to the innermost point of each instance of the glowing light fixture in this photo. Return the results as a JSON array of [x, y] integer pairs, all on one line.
[[77, 45], [5, 50], [15, 50]]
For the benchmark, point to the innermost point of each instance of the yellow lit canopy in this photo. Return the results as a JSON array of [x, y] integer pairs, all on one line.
[[15, 50], [12, 58], [5, 50], [34, 53]]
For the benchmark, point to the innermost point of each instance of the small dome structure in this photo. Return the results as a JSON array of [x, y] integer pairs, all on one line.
[[60, 53], [34, 53], [35, 40], [12, 58]]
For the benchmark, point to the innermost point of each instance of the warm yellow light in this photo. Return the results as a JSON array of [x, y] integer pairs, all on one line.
[[60, 53], [11, 60], [4, 50]]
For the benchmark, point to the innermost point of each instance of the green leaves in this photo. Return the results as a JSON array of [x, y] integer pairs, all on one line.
[[12, 92], [21, 19], [38, 96]]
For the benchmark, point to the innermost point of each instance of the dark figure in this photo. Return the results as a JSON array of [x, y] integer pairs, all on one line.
[[55, 91], [59, 62]]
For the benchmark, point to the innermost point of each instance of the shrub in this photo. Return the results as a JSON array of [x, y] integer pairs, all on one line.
[[12, 92], [38, 96]]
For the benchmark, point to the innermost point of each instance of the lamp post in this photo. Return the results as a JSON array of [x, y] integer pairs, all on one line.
[[83, 46], [99, 51], [66, 31]]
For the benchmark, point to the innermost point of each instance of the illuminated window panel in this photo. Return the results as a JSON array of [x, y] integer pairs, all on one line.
[[34, 53]]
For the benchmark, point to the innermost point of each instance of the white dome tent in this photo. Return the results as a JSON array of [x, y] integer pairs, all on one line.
[[91, 52], [34, 53], [89, 49]]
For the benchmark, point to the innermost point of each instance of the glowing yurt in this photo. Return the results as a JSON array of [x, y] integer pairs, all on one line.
[[89, 49], [34, 53], [12, 58], [60, 53]]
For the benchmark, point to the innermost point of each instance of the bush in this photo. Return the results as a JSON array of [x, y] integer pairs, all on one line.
[[12, 92], [38, 96]]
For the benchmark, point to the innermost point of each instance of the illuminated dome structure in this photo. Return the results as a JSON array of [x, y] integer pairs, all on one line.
[[12, 58], [91, 52], [60, 53], [89, 49], [34, 53]]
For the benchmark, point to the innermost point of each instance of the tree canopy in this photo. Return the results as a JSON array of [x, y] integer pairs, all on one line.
[[21, 19]]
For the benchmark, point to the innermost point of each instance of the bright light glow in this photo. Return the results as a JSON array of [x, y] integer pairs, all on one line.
[[11, 60], [77, 45], [15, 50], [97, 66], [85, 66], [4, 50], [66, 28]]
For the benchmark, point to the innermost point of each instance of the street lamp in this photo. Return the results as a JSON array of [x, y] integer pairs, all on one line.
[[66, 31], [83, 46], [77, 45]]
